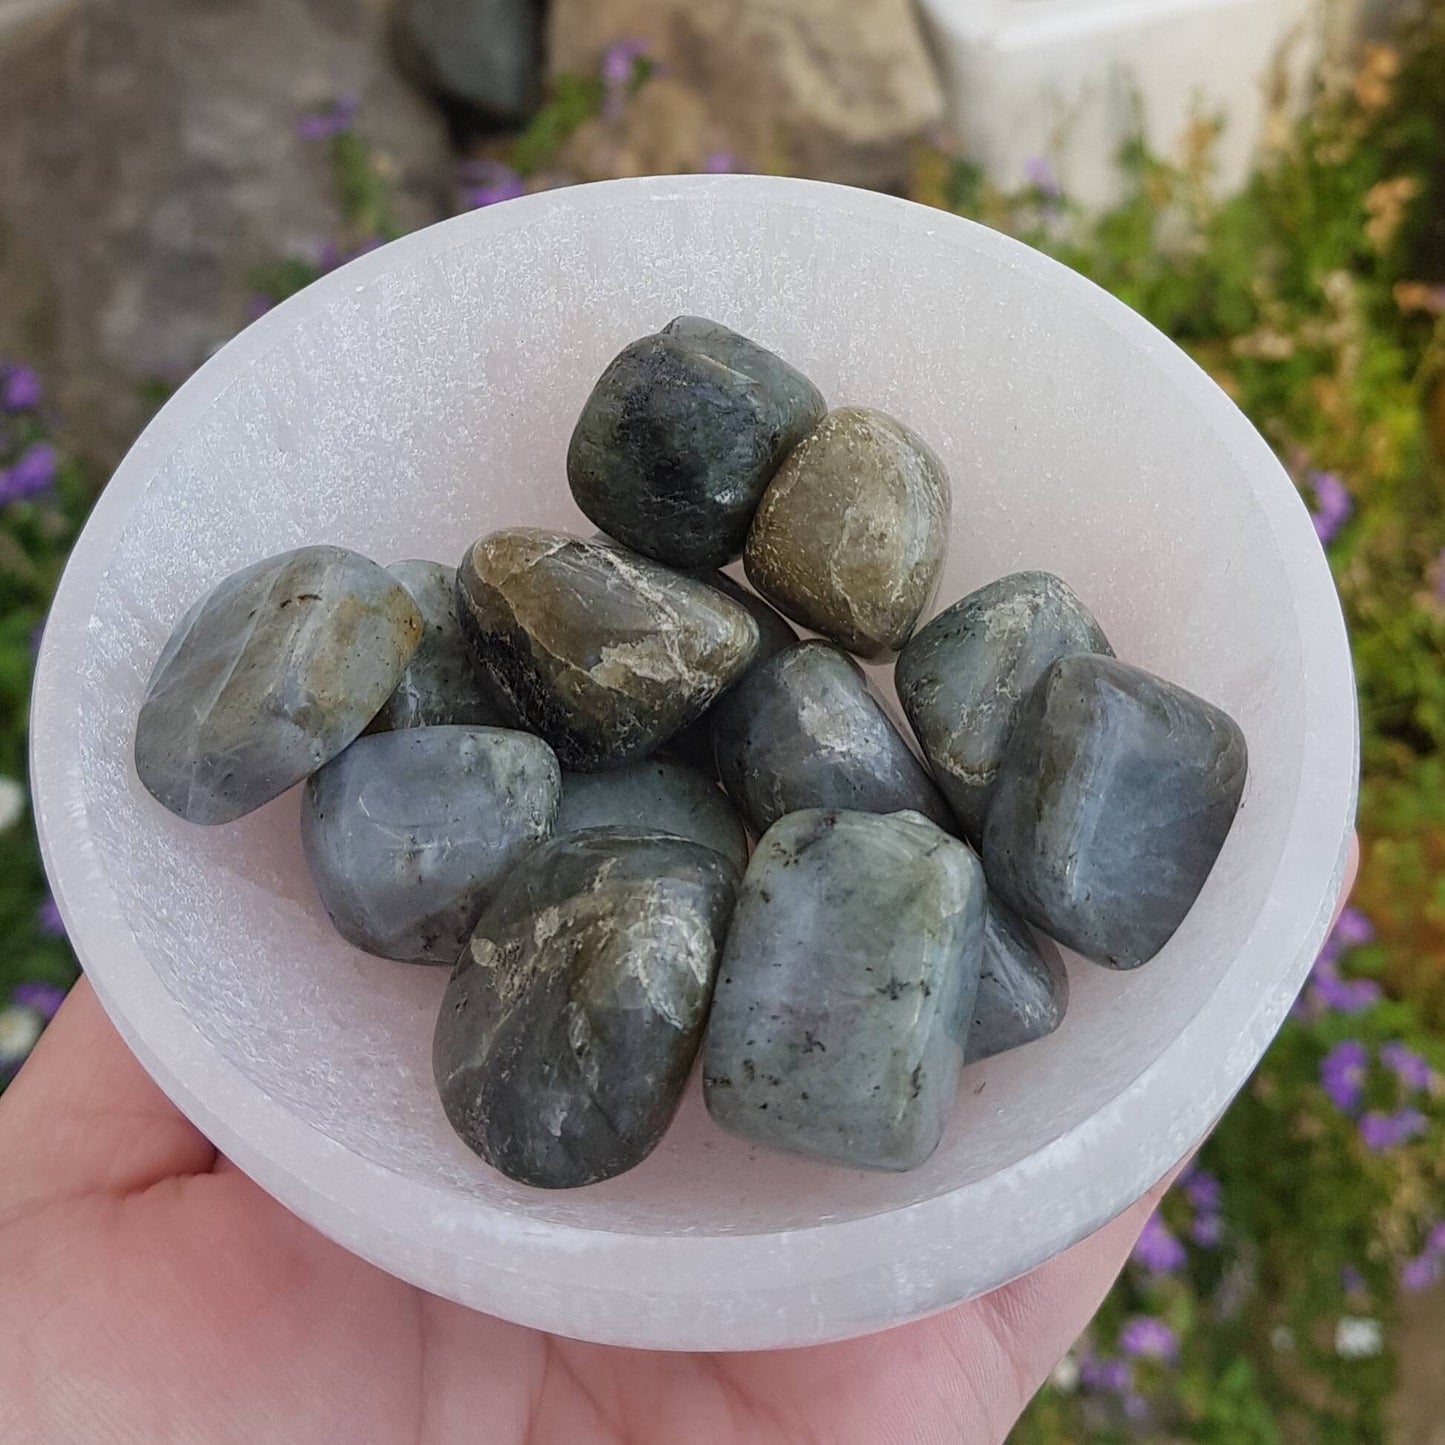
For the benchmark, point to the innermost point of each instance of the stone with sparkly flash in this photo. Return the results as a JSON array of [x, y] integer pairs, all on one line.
[[1112, 803], [601, 652], [570, 1026], [845, 988], [268, 678]]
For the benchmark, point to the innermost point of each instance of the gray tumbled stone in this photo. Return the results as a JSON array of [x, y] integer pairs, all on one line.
[[409, 834], [963, 679], [601, 652], [1023, 989], [268, 678], [1115, 795], [681, 436], [852, 961], [656, 796], [803, 730], [571, 1023], [442, 685]]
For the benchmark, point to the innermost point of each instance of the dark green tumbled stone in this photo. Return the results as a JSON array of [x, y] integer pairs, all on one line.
[[571, 1023], [681, 436], [1113, 801], [1023, 989], [599, 651]]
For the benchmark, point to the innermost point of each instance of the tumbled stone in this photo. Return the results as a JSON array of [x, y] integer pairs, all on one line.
[[1023, 989], [441, 686], [601, 652], [409, 834], [1114, 797], [656, 796], [680, 437], [571, 1023], [693, 745], [803, 730], [850, 537], [851, 963], [268, 678], [963, 679]]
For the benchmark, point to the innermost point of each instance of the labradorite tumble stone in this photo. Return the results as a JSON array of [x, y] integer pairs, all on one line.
[[601, 652], [1114, 798], [441, 686], [571, 1023], [681, 436], [268, 678], [803, 731], [656, 796], [963, 679], [693, 745], [850, 538], [851, 965], [1023, 990], [408, 834]]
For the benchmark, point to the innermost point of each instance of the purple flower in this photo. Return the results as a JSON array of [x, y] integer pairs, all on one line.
[[327, 124], [1351, 1280], [1136, 1407], [1348, 996], [42, 998], [492, 184], [1145, 1338], [47, 918], [1406, 1065], [1158, 1251], [1342, 1075], [619, 71], [1382, 1132], [1039, 173], [1203, 1191], [1436, 1242], [1332, 505], [32, 474], [257, 306], [1418, 1274], [720, 163], [1111, 1377], [20, 389], [1353, 930], [1207, 1230]]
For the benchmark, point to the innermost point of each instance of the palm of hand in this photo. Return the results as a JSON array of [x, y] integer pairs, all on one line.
[[150, 1292]]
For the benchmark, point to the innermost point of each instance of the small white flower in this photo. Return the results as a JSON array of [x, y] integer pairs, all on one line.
[[1065, 1376], [1358, 1339], [12, 803], [19, 1029], [1282, 1338]]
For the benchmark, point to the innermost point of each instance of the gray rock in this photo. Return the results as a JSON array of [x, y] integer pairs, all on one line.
[[485, 54], [655, 796], [570, 1026], [152, 160], [693, 745], [601, 652], [681, 436], [852, 961], [268, 678], [1114, 798], [851, 534], [963, 679], [1023, 990], [442, 686], [803, 731], [409, 834]]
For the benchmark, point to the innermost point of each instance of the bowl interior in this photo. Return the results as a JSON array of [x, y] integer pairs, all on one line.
[[426, 395]]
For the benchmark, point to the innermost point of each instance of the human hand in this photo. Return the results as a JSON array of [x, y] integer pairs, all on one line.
[[150, 1293]]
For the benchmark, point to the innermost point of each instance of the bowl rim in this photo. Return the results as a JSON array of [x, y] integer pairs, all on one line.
[[829, 1279]]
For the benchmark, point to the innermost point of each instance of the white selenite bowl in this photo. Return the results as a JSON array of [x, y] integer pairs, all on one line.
[[424, 395]]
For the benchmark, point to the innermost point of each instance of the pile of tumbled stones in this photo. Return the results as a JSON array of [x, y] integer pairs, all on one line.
[[513, 771]]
